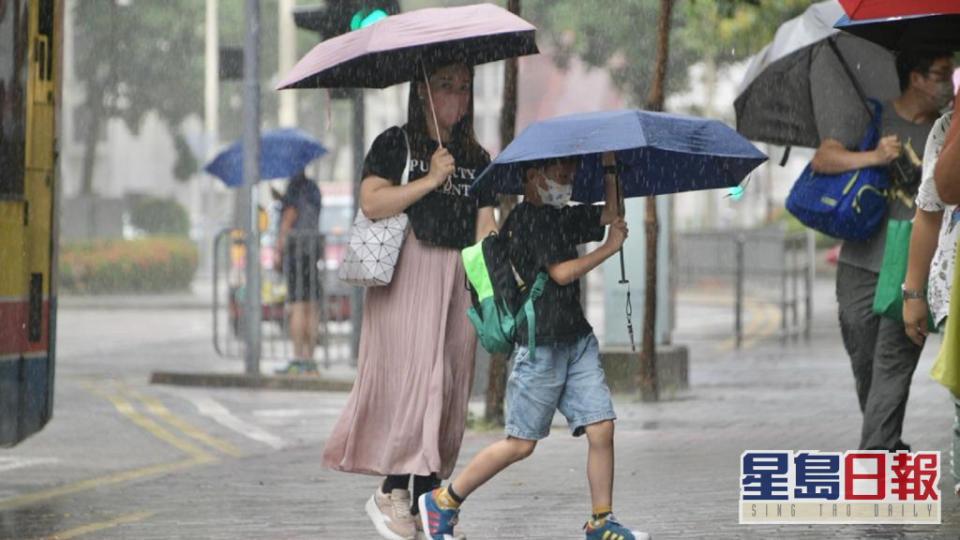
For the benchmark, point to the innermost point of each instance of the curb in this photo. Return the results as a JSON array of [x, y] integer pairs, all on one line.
[[265, 382], [147, 302]]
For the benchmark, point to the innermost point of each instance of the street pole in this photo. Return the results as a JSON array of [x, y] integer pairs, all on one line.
[[211, 104], [251, 173], [359, 147], [287, 57]]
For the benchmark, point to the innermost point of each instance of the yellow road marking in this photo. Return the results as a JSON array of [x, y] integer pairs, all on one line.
[[772, 318], [160, 411], [99, 526], [93, 483], [749, 306], [125, 408]]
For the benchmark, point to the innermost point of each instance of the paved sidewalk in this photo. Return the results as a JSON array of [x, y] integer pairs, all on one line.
[[677, 461]]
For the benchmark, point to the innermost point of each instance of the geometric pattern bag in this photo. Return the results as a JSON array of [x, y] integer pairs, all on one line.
[[373, 248]]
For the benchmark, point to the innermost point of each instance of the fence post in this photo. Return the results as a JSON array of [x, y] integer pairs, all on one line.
[[738, 317], [811, 276]]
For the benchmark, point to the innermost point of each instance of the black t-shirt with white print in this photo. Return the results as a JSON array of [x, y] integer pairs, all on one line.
[[539, 236], [447, 216]]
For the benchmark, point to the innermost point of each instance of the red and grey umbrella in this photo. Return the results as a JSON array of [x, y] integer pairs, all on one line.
[[881, 9]]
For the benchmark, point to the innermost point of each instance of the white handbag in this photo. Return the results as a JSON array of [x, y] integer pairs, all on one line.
[[373, 248]]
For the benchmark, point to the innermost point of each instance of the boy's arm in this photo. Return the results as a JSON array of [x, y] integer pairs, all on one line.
[[611, 207], [569, 271]]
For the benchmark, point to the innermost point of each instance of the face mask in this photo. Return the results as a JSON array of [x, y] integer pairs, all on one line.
[[556, 195], [942, 96]]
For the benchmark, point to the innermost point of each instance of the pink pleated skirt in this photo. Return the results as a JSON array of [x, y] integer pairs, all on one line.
[[407, 411]]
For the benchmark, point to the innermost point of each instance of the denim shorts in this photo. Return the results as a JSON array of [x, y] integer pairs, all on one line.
[[564, 376]]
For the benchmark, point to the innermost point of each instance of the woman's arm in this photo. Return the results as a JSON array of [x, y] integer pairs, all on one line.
[[947, 172], [380, 198], [923, 244]]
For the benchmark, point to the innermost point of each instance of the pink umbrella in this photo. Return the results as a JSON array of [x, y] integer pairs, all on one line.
[[393, 50]]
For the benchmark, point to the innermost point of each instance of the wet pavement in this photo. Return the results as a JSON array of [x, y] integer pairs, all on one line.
[[125, 459]]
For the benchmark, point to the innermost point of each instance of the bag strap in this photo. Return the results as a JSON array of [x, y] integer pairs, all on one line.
[[873, 130], [406, 164], [872, 106], [528, 312]]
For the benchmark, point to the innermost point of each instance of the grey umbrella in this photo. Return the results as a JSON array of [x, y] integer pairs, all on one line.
[[803, 86]]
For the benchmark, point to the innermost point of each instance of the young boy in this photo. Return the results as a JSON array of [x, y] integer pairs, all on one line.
[[565, 372]]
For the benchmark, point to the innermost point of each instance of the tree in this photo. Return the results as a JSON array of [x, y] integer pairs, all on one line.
[[497, 372], [623, 38], [134, 58]]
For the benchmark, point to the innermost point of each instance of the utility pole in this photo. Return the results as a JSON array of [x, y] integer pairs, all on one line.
[[287, 57], [211, 104], [251, 174]]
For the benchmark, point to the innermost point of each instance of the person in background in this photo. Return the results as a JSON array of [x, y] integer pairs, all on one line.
[[881, 354], [298, 252]]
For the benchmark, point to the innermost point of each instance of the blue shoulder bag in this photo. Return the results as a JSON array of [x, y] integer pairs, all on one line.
[[849, 205]]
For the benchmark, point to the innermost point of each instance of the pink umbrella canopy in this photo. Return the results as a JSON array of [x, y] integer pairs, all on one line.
[[391, 50]]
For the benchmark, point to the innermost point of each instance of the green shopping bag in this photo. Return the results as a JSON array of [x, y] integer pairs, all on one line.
[[888, 299], [946, 370]]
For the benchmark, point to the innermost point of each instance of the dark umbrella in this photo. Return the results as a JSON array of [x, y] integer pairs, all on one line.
[[938, 32], [393, 49], [657, 153], [283, 153], [808, 68]]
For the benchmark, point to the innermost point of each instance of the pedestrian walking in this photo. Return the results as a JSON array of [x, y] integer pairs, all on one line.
[[299, 250], [563, 370], [407, 412], [882, 355]]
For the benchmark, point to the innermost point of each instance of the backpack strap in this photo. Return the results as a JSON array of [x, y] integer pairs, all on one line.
[[528, 312]]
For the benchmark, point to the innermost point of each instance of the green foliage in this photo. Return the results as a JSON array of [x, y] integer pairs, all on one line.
[[158, 216], [148, 265], [620, 35], [141, 57]]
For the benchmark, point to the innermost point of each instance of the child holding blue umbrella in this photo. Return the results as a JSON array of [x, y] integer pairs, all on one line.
[[564, 371]]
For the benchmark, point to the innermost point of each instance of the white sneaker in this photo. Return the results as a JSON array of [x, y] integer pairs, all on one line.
[[391, 514]]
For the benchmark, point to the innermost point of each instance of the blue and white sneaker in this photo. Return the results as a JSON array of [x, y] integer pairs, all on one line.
[[437, 522], [609, 528]]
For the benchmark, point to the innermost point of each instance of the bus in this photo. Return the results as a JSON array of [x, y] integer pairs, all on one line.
[[30, 44]]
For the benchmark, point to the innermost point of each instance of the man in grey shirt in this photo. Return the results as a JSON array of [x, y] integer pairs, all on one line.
[[883, 358]]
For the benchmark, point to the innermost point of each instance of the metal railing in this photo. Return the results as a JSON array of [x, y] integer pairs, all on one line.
[[774, 263], [229, 291]]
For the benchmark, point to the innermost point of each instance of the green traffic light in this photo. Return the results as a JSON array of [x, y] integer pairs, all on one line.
[[364, 18]]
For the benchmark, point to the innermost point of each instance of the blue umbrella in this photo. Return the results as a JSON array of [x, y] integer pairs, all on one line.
[[657, 153], [283, 153]]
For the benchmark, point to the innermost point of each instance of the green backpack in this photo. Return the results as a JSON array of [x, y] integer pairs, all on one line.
[[500, 303]]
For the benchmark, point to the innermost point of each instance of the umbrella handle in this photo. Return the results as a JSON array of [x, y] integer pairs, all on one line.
[[621, 211], [426, 82]]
